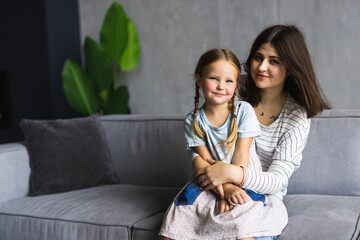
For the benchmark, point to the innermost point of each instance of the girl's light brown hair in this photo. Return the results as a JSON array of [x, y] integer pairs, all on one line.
[[207, 58], [301, 82]]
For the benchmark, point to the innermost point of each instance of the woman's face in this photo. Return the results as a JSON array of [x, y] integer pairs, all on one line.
[[267, 69]]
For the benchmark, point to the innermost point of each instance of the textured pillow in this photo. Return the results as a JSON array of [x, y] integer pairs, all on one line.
[[67, 155]]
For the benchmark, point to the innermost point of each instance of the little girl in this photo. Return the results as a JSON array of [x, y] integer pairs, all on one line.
[[222, 129]]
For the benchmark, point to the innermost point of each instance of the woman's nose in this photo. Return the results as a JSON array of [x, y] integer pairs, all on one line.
[[263, 66]]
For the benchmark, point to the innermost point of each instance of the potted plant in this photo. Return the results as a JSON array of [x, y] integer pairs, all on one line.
[[98, 87]]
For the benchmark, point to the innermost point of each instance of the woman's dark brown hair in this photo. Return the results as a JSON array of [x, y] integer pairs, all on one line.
[[301, 82]]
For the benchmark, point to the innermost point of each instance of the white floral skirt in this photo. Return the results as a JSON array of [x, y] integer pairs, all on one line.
[[202, 219]]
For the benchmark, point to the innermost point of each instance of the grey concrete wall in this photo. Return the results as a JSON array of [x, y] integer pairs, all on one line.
[[174, 33]]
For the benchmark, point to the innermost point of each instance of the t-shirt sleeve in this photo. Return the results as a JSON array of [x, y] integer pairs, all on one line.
[[191, 138], [248, 124]]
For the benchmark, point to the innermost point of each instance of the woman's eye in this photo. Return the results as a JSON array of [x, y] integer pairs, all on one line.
[[274, 62], [257, 58]]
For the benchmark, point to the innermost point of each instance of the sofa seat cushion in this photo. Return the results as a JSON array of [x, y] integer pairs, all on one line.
[[149, 227], [322, 217], [104, 212]]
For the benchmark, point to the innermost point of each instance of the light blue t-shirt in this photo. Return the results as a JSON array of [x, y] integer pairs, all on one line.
[[247, 123]]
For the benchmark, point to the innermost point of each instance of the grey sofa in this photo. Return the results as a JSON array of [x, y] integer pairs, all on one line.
[[149, 156]]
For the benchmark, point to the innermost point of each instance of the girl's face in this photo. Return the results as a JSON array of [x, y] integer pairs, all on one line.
[[218, 82], [267, 69]]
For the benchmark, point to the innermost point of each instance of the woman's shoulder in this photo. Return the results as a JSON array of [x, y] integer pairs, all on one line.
[[295, 114]]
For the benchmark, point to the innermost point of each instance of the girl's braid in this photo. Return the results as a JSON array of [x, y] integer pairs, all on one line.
[[195, 125]]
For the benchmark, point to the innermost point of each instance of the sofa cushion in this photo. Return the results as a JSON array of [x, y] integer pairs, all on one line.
[[152, 150], [149, 227], [332, 150], [67, 154], [104, 212], [321, 217]]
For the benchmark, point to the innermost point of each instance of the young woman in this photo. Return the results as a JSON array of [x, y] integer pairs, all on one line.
[[282, 87]]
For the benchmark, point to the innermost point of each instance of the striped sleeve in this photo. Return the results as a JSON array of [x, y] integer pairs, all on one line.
[[285, 160]]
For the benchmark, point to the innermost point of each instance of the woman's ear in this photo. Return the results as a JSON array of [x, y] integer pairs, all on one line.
[[198, 80]]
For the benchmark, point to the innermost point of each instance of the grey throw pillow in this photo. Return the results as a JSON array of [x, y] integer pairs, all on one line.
[[67, 154]]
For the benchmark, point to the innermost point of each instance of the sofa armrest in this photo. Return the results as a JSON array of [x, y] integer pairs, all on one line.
[[14, 171]]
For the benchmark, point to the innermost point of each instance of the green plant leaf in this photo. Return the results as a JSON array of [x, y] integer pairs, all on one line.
[[118, 101], [98, 65], [130, 58], [79, 90], [114, 33]]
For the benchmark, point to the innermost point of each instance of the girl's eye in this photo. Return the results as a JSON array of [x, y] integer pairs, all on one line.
[[229, 81], [213, 78]]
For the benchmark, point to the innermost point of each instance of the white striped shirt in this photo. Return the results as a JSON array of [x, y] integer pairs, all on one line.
[[280, 149]]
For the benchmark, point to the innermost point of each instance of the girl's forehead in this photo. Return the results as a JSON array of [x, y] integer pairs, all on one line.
[[222, 66]]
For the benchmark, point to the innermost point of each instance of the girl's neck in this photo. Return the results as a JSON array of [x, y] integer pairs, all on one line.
[[216, 115]]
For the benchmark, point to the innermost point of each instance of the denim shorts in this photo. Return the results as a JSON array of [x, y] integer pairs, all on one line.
[[266, 238]]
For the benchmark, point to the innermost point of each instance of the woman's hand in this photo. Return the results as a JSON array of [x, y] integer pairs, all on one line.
[[234, 194], [219, 173]]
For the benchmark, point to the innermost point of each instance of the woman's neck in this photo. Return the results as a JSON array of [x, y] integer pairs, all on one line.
[[271, 105], [273, 97]]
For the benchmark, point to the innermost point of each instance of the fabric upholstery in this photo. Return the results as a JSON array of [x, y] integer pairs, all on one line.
[[152, 150], [321, 217], [14, 171], [104, 212], [148, 228], [332, 150], [67, 154]]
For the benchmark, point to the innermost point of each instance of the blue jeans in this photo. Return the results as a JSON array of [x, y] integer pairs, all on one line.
[[266, 238]]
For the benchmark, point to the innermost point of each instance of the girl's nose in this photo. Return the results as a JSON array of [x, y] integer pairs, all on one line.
[[220, 85]]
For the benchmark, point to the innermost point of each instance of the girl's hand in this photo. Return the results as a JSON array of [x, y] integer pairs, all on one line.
[[224, 206], [234, 194], [219, 191], [219, 173]]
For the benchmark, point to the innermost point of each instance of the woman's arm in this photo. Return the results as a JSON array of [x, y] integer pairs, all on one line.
[[220, 173], [285, 160]]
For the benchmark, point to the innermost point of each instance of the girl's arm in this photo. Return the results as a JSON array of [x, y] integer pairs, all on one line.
[[233, 193], [241, 154], [201, 163]]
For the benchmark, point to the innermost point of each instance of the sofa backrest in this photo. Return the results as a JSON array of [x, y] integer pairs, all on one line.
[[151, 150], [148, 150], [331, 159]]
